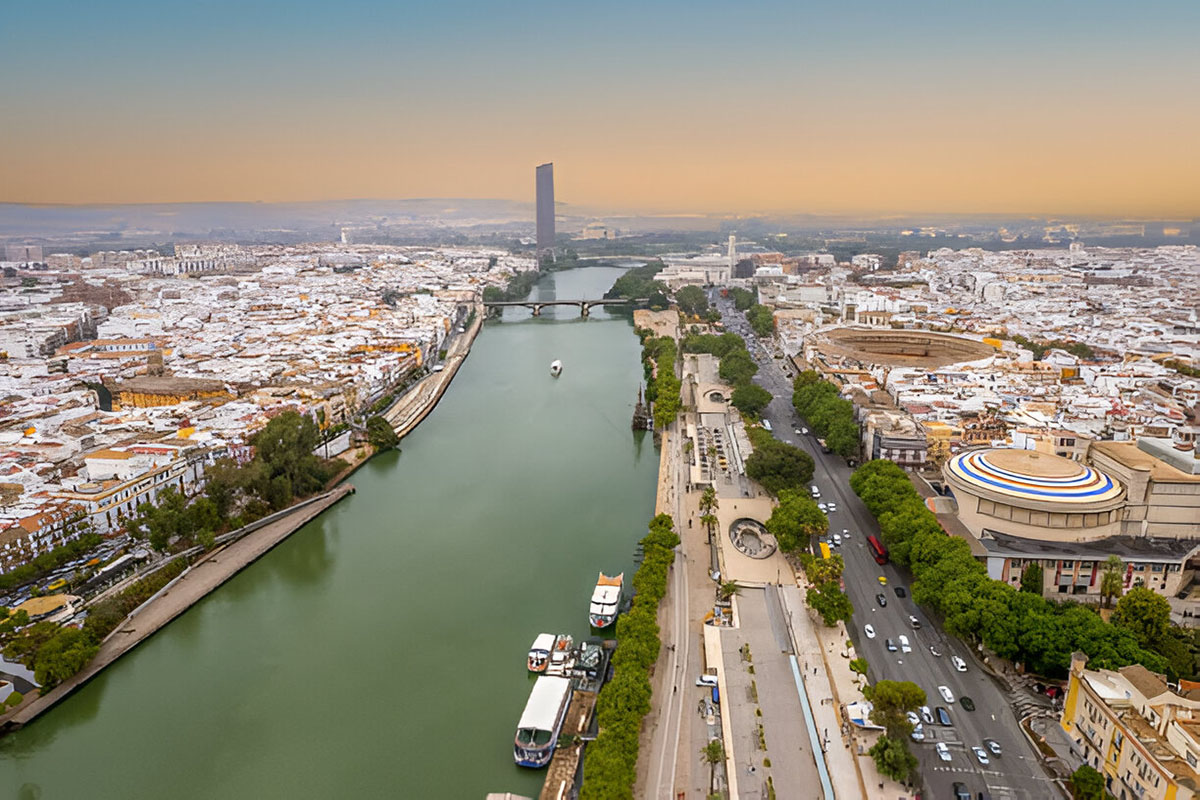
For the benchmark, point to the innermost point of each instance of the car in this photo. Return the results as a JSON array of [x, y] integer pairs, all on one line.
[[913, 719], [958, 663], [926, 714], [845, 533], [981, 755], [960, 791], [918, 733], [804, 431], [869, 630], [796, 431], [899, 590], [821, 506], [837, 539], [883, 580], [933, 648], [879, 598], [905, 647], [832, 506], [946, 694], [916, 623], [943, 716], [943, 751], [706, 680], [891, 646], [967, 703], [993, 745]]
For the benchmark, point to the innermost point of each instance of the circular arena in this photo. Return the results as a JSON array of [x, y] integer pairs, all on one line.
[[900, 348]]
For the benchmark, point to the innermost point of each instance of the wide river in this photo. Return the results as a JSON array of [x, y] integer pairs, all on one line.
[[380, 651]]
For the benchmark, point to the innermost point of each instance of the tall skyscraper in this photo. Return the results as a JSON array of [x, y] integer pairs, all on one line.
[[545, 210]]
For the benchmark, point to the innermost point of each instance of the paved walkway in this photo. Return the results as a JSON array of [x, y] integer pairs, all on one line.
[[204, 576]]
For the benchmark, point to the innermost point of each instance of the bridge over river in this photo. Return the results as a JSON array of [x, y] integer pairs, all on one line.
[[585, 306]]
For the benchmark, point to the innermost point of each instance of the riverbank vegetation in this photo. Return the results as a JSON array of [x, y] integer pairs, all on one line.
[[610, 762], [662, 384], [639, 283], [1018, 626], [830, 416], [518, 288]]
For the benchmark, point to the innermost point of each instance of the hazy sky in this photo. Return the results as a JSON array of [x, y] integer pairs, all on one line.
[[1053, 106]]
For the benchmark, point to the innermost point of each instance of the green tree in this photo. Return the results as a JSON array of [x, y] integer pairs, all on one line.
[[1031, 578], [692, 300], [1087, 784], [795, 521], [737, 368], [778, 466], [61, 657], [823, 570], [831, 603], [285, 446], [381, 434], [713, 754], [728, 589], [892, 701], [742, 298], [1144, 614], [859, 665], [750, 399], [892, 758], [1112, 580], [762, 320]]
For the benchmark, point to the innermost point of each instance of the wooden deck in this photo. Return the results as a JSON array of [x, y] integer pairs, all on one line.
[[560, 775]]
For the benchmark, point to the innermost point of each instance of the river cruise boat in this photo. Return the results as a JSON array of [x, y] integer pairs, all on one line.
[[539, 653], [556, 367], [606, 600], [542, 721]]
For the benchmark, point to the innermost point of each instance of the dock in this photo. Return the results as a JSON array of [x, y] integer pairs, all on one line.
[[564, 766]]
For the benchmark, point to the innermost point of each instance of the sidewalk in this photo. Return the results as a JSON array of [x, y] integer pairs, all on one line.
[[830, 688]]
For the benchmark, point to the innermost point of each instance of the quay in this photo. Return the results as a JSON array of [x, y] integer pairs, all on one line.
[[564, 766], [191, 586]]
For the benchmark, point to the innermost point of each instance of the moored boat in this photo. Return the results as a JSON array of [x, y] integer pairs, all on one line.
[[606, 600], [562, 657], [542, 721], [539, 653]]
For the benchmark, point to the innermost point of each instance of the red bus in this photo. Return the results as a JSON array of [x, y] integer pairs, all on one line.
[[877, 550]]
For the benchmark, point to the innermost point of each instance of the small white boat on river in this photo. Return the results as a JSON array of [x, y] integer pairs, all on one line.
[[556, 367]]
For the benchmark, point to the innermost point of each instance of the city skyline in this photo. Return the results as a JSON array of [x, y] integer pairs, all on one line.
[[1068, 109]]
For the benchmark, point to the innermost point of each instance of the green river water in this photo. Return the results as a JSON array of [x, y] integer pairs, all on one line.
[[380, 650]]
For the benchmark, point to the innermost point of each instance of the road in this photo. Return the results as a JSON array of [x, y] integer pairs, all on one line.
[[1016, 774]]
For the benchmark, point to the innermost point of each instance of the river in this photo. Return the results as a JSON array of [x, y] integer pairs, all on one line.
[[380, 651]]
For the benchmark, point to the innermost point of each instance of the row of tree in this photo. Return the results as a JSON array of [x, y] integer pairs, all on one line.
[[891, 702], [51, 560], [640, 282], [761, 319], [56, 653], [1018, 626], [830, 416], [662, 384], [778, 466], [610, 763], [743, 298]]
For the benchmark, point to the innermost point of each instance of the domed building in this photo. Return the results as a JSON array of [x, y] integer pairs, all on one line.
[[1022, 507]]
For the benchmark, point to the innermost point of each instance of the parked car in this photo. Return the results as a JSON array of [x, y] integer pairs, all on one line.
[[943, 751], [913, 719], [926, 714], [837, 539], [706, 680], [905, 647], [967, 703], [993, 745], [958, 663], [804, 431], [960, 792], [943, 716], [879, 598], [946, 694], [891, 646], [981, 755], [869, 630], [822, 506], [918, 734]]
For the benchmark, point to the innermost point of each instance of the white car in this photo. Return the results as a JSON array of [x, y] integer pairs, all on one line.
[[804, 431], [913, 719], [904, 646], [946, 694], [837, 539], [821, 506], [918, 734], [796, 431], [982, 755], [869, 630], [706, 680], [927, 715], [958, 663], [832, 506], [943, 751]]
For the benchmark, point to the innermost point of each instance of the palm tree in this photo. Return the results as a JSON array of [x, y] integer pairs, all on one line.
[[1111, 580], [728, 589], [713, 754], [708, 499], [709, 521]]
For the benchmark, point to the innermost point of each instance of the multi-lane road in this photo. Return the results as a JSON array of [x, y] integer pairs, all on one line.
[[1015, 774]]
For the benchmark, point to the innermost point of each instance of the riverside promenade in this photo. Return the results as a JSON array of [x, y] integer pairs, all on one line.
[[192, 585]]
